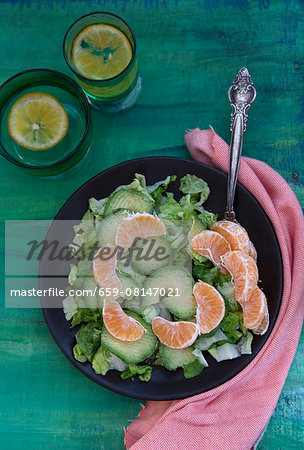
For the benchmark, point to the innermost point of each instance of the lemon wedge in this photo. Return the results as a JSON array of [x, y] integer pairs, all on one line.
[[101, 52], [37, 121]]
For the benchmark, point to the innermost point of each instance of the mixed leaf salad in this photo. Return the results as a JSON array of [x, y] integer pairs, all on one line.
[[183, 218]]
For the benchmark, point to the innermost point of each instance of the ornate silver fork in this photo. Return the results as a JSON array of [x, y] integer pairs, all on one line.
[[241, 95]]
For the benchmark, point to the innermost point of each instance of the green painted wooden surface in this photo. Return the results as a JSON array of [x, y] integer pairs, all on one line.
[[189, 52]]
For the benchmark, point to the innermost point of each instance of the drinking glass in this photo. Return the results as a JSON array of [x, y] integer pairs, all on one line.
[[74, 144], [110, 95]]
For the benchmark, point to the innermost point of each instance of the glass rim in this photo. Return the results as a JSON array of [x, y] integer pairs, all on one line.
[[91, 79], [87, 112]]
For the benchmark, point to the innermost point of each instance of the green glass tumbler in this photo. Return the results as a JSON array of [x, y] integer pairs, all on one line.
[[75, 144], [110, 95]]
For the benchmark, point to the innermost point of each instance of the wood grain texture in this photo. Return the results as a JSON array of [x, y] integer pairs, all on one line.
[[189, 52]]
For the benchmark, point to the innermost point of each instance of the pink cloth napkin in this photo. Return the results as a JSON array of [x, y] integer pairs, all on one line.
[[233, 416]]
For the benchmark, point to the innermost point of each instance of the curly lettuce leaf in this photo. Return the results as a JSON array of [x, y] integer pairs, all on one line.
[[207, 217], [224, 352], [188, 204], [211, 275], [84, 232], [144, 372], [88, 339], [97, 207], [85, 315], [227, 291], [170, 209], [99, 362], [193, 369], [244, 344], [138, 184], [79, 354], [70, 307], [104, 361], [200, 357], [204, 343], [157, 189], [230, 326], [177, 233], [191, 184], [148, 313], [73, 274]]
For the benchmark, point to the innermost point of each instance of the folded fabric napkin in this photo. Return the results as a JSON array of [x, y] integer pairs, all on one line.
[[234, 415]]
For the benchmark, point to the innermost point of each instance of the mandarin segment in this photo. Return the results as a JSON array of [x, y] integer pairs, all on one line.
[[234, 233], [139, 226], [104, 268], [244, 272], [119, 324], [175, 334], [252, 251], [211, 245], [263, 327], [254, 309], [211, 306]]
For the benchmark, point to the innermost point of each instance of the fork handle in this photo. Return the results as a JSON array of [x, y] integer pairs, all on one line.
[[241, 94], [236, 145]]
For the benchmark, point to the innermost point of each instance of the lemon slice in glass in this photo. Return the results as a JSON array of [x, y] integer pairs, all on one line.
[[37, 121], [101, 52]]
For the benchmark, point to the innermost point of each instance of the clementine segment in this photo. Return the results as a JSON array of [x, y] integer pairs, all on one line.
[[212, 245], [234, 233], [119, 324], [104, 269], [252, 251], [138, 226], [244, 272], [263, 327], [254, 309], [211, 306], [175, 334]]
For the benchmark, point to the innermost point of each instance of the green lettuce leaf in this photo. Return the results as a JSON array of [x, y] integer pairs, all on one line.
[[241, 322], [245, 344], [230, 326], [157, 189], [227, 291], [204, 342], [188, 202], [177, 233], [85, 315], [191, 184], [192, 369], [170, 208], [70, 307], [79, 354], [144, 372], [73, 274], [97, 207], [100, 363], [211, 275], [138, 184], [206, 216], [88, 339], [84, 232], [231, 304], [224, 352], [148, 313]]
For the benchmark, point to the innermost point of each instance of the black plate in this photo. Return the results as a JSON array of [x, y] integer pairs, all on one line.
[[166, 385]]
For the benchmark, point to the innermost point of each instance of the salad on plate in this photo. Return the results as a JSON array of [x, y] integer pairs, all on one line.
[[160, 281]]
